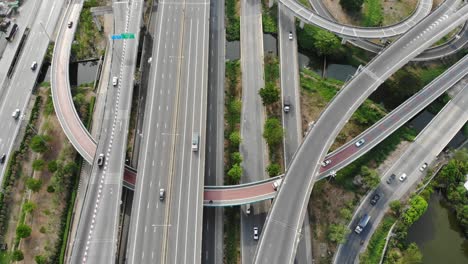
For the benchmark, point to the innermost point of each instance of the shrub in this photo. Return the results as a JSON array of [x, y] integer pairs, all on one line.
[[17, 255], [52, 166], [39, 144], [236, 158], [273, 169], [34, 184], [38, 165], [352, 5], [270, 94], [235, 138], [273, 132], [29, 206], [235, 173], [23, 231], [337, 233]]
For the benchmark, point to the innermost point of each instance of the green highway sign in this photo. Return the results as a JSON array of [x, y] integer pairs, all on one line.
[[128, 35]]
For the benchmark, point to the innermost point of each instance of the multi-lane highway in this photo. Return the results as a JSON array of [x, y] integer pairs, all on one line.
[[213, 225], [289, 69], [16, 91], [283, 225], [98, 228], [253, 146], [167, 228], [427, 146]]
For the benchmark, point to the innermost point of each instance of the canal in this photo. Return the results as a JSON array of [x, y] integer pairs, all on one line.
[[438, 234]]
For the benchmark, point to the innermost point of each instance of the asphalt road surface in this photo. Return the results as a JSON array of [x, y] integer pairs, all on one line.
[[170, 231], [427, 146], [283, 225]]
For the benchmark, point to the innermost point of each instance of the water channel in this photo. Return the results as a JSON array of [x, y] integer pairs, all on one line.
[[438, 234]]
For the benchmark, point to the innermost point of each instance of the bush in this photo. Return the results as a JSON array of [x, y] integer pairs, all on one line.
[[50, 189], [29, 206], [17, 255], [235, 173], [325, 42], [34, 184], [352, 5], [417, 207], [236, 158], [38, 165], [273, 169], [52, 166], [235, 138], [337, 233], [270, 94], [396, 207], [23, 231], [273, 132], [40, 259], [38, 143]]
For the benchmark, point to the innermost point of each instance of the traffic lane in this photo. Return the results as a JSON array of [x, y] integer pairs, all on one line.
[[238, 194], [154, 169]]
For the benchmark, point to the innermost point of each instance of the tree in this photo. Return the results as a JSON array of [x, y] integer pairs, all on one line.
[[236, 158], [417, 207], [337, 233], [273, 132], [29, 206], [370, 177], [411, 255], [235, 173], [40, 259], [396, 207], [346, 214], [274, 169], [325, 42], [235, 138], [270, 94], [17, 255], [38, 164], [352, 5], [52, 166], [38, 144], [34, 184], [23, 231]]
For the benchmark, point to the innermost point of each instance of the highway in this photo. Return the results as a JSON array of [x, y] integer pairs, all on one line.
[[427, 146], [448, 48], [16, 92], [65, 110], [253, 147], [283, 225], [98, 228], [213, 224], [289, 70], [310, 17], [170, 231]]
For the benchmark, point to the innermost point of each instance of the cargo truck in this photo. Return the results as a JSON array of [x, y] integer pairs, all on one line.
[[362, 224]]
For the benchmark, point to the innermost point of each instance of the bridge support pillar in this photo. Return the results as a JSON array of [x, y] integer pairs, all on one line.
[[343, 41], [270, 3], [301, 24]]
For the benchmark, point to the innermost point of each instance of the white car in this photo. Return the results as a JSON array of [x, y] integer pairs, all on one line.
[[423, 167], [255, 233], [403, 177], [290, 35], [115, 80], [16, 113], [34, 66], [276, 184], [360, 142], [326, 162]]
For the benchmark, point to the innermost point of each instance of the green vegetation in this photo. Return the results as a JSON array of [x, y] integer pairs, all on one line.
[[232, 237], [87, 35], [372, 13], [273, 132], [417, 207], [39, 143], [17, 255], [34, 184], [377, 242], [23, 231], [337, 233], [233, 109], [317, 41], [232, 21], [351, 5], [370, 177], [305, 3], [38, 164], [270, 94], [269, 18], [274, 169]]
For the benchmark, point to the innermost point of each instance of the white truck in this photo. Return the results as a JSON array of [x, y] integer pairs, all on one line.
[[362, 224]]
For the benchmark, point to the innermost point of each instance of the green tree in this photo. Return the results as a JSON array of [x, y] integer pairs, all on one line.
[[29, 206], [235, 138], [346, 214], [236, 158], [461, 154], [273, 132], [39, 143], [370, 177], [411, 255], [417, 206], [52, 166], [325, 42], [273, 169], [396, 207], [34, 184], [23, 231], [337, 233], [270, 94], [352, 5], [40, 259], [38, 164], [17, 255], [235, 173]]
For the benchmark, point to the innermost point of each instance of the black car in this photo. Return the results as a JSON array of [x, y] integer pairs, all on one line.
[[375, 199], [2, 158], [391, 178], [100, 160], [70, 24]]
